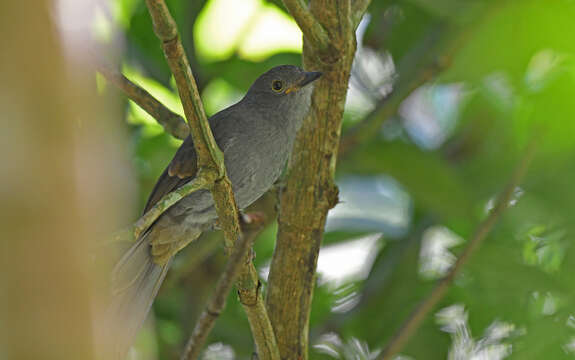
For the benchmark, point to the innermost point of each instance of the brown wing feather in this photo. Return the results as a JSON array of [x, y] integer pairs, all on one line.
[[181, 169]]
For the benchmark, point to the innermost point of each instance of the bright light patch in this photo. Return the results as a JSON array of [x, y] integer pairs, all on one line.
[[102, 27], [435, 259], [378, 204], [100, 83], [431, 112], [252, 28], [340, 263], [218, 95], [493, 345], [75, 21], [348, 261], [166, 96], [220, 25], [543, 67], [272, 32], [122, 11]]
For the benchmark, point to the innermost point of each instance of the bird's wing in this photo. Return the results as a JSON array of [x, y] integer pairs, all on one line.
[[184, 165], [181, 170]]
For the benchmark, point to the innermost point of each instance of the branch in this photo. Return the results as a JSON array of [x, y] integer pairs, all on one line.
[[209, 155], [309, 190], [310, 27], [210, 158], [358, 8], [172, 122], [202, 181], [414, 320], [217, 303]]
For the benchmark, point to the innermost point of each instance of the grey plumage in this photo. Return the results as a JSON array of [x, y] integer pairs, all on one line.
[[256, 135]]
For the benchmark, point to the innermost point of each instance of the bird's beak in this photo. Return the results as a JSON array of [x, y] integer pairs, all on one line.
[[308, 77]]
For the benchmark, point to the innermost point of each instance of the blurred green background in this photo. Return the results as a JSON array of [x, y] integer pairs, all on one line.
[[467, 84]]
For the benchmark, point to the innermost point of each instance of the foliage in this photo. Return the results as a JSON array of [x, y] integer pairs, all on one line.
[[451, 147]]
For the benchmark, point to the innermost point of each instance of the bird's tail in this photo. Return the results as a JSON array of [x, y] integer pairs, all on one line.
[[136, 280]]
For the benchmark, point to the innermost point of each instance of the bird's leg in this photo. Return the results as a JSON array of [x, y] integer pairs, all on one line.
[[252, 220], [250, 223]]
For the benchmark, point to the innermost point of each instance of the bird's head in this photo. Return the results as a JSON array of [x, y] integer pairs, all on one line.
[[285, 90]]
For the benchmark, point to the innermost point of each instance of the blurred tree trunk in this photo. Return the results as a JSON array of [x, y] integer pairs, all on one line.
[[57, 187]]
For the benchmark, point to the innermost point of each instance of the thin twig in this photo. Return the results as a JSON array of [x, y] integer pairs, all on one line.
[[172, 122], [202, 181], [358, 8], [210, 159], [310, 27], [217, 302], [414, 320]]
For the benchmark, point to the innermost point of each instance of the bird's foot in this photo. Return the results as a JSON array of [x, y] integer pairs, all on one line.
[[252, 220]]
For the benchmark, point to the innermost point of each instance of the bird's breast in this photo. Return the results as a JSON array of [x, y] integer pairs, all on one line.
[[255, 160]]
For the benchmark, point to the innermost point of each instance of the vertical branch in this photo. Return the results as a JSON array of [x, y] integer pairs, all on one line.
[[310, 190], [210, 161], [209, 155]]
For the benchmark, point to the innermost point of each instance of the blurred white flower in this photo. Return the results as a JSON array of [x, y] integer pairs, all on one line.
[[542, 68], [218, 351], [435, 259], [354, 349], [454, 320]]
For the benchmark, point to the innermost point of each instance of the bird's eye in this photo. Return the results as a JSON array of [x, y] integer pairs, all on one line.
[[277, 85]]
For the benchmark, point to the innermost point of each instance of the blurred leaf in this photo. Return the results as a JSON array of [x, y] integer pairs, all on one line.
[[123, 11], [427, 178], [218, 95], [371, 203], [514, 60], [254, 30]]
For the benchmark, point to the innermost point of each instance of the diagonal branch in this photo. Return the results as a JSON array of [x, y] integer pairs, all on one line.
[[210, 159], [202, 181], [310, 27], [209, 155], [172, 122], [414, 320]]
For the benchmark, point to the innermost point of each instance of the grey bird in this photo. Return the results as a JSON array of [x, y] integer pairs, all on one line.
[[256, 136]]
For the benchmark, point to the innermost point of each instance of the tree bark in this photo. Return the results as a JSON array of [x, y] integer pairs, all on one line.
[[310, 190]]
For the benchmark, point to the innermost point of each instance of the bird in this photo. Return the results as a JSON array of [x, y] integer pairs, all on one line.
[[256, 136]]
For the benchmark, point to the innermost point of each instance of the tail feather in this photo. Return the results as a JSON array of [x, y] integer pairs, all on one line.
[[136, 280]]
